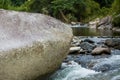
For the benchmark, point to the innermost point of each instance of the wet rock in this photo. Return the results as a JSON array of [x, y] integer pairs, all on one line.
[[31, 45], [102, 68], [99, 50], [75, 42], [87, 46], [115, 43], [89, 41], [83, 51], [84, 60], [74, 50]]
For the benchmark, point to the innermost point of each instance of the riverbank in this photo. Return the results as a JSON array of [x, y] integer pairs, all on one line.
[[97, 27]]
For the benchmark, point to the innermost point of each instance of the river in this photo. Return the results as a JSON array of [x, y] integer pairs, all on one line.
[[86, 31], [90, 67]]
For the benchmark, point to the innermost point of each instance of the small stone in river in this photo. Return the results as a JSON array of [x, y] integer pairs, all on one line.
[[89, 41], [87, 46], [83, 52], [99, 50], [112, 42], [74, 49]]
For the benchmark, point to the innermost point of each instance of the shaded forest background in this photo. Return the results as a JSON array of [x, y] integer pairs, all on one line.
[[68, 10]]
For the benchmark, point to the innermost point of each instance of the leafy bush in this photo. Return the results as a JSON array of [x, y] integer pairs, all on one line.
[[5, 4], [65, 10], [116, 7], [105, 3], [116, 13], [116, 21], [80, 9]]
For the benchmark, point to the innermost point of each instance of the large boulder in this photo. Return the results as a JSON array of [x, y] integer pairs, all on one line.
[[105, 23], [31, 45]]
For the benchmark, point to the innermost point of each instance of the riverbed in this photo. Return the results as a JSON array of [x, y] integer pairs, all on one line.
[[84, 66]]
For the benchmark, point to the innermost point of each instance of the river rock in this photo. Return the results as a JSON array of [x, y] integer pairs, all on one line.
[[93, 24], [89, 41], [87, 46], [102, 68], [105, 23], [115, 43], [31, 45], [116, 29], [100, 50], [75, 42], [74, 49]]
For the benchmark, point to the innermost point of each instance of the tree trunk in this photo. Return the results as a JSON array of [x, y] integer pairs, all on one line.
[[64, 17]]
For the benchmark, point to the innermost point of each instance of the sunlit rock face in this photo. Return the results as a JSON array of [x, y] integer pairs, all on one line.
[[31, 44]]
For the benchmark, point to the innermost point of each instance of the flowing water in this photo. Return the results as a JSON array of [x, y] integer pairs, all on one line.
[[89, 67], [75, 71]]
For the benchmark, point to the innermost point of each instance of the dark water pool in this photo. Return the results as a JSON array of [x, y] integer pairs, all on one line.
[[85, 31]]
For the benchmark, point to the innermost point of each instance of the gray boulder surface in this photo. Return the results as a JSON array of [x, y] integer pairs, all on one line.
[[31, 44]]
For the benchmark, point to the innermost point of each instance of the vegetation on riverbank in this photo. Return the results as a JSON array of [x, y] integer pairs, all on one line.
[[116, 10], [67, 10]]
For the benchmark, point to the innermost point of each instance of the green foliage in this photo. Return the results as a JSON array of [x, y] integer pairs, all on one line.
[[17, 2], [65, 10], [116, 21], [105, 3], [12, 4], [81, 9], [116, 6], [39, 6], [116, 14], [104, 11], [5, 4]]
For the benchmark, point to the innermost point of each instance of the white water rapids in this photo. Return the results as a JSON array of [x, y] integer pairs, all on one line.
[[74, 71]]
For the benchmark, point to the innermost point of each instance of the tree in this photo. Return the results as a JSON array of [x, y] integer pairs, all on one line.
[[81, 9], [105, 3], [5, 4], [116, 6], [116, 10], [17, 2]]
